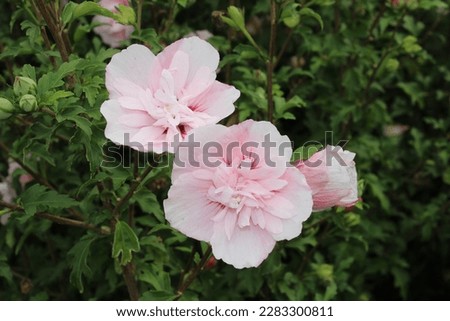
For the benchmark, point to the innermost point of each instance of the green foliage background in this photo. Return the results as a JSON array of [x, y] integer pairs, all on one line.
[[372, 66]]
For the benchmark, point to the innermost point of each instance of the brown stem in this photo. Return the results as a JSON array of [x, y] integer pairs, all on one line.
[[67, 221], [194, 273], [308, 255], [44, 34], [273, 30], [58, 219], [130, 281], [376, 20], [380, 62], [188, 266], [170, 18], [131, 191], [286, 43], [337, 17], [140, 5], [53, 24]]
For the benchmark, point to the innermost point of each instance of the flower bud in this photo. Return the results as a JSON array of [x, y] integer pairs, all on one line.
[[212, 262], [237, 16], [6, 108], [324, 271], [28, 103], [392, 64], [352, 219], [24, 85]]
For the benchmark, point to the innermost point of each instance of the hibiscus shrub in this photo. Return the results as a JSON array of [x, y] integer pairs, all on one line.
[[163, 150]]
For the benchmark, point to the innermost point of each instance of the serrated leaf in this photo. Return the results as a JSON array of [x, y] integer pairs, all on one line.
[[38, 197], [149, 204], [80, 253], [82, 123], [126, 15], [53, 80], [125, 242]]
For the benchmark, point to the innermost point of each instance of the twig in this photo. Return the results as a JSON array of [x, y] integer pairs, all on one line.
[[380, 62], [140, 5], [194, 273], [71, 222], [50, 18], [273, 30], [58, 219], [131, 191], [130, 281], [170, 18], [188, 265], [376, 20], [286, 43]]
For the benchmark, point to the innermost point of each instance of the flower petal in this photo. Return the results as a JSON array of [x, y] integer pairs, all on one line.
[[188, 210], [133, 64], [247, 247]]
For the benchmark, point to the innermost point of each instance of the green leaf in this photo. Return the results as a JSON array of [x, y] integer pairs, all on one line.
[[305, 152], [5, 270], [53, 80], [68, 12], [90, 8], [125, 242], [40, 198], [311, 13], [79, 254], [158, 296], [290, 15], [182, 3], [126, 15], [149, 204], [323, 3]]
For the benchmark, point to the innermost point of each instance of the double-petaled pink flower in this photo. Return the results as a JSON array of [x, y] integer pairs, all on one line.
[[234, 188], [331, 174], [153, 99], [112, 32]]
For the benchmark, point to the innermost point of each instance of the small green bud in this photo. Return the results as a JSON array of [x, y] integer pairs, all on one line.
[[28, 103], [237, 16], [410, 45], [392, 64], [324, 271], [292, 21], [352, 219], [6, 108], [290, 15], [24, 85]]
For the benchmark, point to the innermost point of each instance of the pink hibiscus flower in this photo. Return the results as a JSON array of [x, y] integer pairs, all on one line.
[[237, 191], [331, 174], [154, 99], [112, 32]]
